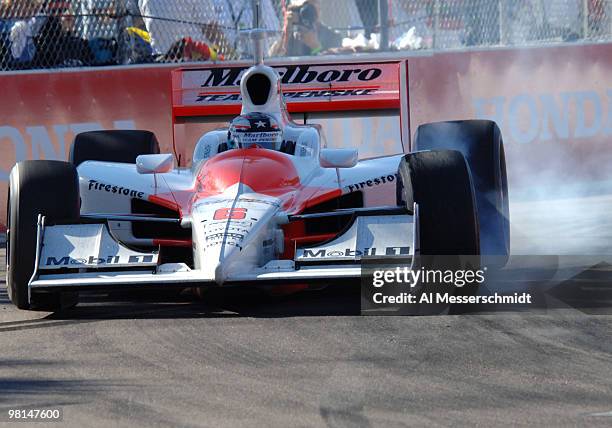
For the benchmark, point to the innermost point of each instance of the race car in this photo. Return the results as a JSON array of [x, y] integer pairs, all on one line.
[[264, 202]]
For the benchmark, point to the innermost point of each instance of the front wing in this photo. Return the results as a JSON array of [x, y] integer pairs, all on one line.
[[140, 279], [86, 257]]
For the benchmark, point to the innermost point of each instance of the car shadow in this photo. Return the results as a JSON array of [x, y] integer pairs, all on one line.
[[337, 300]]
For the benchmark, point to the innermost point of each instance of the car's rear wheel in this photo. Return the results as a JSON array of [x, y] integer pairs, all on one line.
[[113, 146], [37, 187], [481, 144]]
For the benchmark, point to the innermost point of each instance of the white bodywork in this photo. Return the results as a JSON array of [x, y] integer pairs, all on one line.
[[237, 233], [226, 251], [369, 236], [88, 246]]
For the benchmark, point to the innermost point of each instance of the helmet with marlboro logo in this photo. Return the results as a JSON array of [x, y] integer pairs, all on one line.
[[255, 130]]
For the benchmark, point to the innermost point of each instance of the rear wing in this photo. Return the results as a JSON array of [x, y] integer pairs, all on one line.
[[215, 90], [319, 86]]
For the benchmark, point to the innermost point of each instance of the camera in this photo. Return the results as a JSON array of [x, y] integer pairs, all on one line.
[[307, 16]]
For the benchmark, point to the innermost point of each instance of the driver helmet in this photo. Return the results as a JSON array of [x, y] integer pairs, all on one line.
[[255, 129]]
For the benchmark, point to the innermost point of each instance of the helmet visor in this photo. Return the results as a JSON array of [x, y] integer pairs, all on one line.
[[267, 140]]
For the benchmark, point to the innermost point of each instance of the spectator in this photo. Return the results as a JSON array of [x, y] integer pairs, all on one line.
[[304, 33], [98, 19], [135, 45], [134, 42], [166, 23], [6, 22], [23, 28], [6, 10], [98, 23], [368, 13], [172, 25], [114, 31], [56, 43]]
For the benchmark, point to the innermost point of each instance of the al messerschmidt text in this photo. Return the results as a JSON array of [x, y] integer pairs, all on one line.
[[448, 298]]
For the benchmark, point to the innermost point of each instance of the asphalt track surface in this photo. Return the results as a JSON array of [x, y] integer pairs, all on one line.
[[244, 359]]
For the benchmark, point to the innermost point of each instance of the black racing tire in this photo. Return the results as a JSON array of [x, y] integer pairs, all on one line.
[[113, 146], [481, 144], [44, 187], [439, 182]]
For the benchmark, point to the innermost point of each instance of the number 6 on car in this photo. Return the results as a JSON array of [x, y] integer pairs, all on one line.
[[230, 214]]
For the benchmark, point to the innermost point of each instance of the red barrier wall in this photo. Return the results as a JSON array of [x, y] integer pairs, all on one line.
[[41, 112], [554, 106]]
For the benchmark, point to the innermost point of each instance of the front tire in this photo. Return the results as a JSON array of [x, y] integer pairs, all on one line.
[[36, 187], [439, 182]]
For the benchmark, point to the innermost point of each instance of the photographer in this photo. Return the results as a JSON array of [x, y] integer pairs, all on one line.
[[304, 33]]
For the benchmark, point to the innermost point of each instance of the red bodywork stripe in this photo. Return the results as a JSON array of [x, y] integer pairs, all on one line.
[[298, 107], [313, 238], [167, 203], [187, 243]]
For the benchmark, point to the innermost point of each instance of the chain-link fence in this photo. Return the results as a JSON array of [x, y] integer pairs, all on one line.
[[61, 33], [447, 24]]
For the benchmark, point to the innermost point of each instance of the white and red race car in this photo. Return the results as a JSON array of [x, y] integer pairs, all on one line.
[[265, 202]]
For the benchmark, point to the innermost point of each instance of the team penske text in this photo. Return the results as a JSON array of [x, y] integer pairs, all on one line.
[[211, 97]]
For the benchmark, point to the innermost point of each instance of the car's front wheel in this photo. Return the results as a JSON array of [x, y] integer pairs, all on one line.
[[36, 187], [440, 184]]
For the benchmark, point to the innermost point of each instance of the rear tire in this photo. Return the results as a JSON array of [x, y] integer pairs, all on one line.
[[113, 146], [44, 187], [481, 144]]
